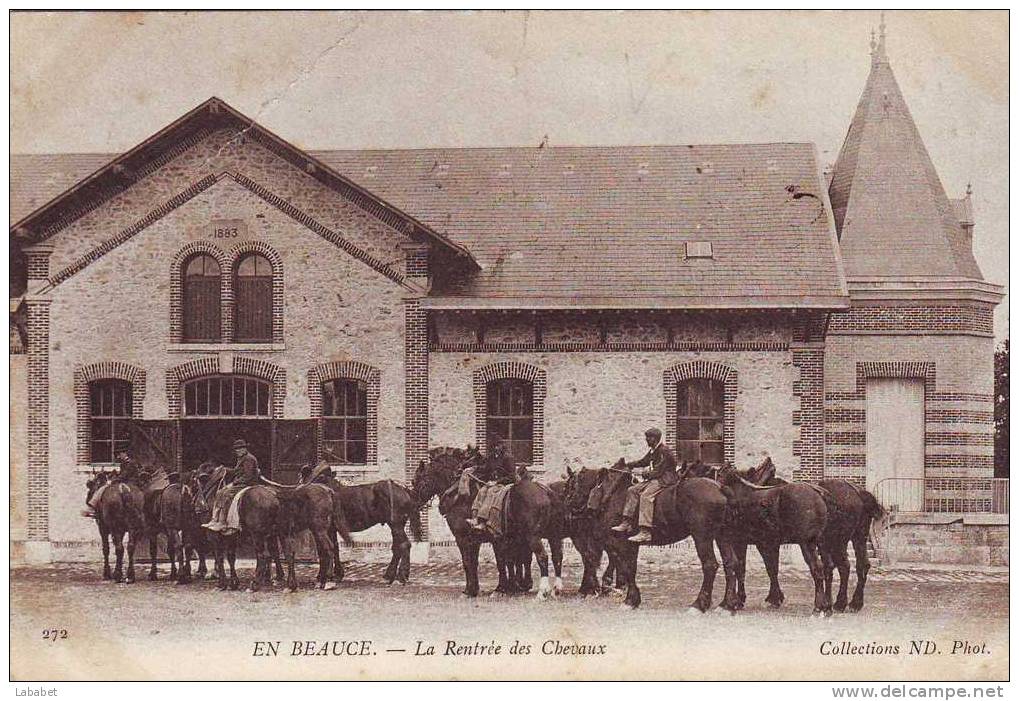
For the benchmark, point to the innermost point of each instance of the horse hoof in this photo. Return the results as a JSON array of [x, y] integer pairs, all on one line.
[[839, 607], [330, 586], [854, 607]]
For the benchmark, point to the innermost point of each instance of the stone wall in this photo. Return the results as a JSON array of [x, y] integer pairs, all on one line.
[[952, 541], [336, 306]]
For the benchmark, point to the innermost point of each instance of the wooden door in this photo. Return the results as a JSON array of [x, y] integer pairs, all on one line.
[[154, 443], [895, 442], [293, 447]]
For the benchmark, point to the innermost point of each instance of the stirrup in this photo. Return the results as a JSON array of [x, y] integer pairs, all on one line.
[[623, 527]]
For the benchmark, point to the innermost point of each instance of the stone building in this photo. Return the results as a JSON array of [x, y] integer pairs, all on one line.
[[360, 307]]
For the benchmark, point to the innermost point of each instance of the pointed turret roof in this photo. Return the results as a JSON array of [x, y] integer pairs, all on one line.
[[891, 211]]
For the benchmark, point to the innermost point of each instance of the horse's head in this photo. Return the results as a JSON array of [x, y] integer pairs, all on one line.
[[442, 469], [92, 485], [579, 484]]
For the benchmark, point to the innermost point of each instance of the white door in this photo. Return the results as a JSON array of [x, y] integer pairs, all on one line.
[[895, 442]]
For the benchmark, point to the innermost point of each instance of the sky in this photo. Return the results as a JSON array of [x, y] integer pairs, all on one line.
[[103, 82]]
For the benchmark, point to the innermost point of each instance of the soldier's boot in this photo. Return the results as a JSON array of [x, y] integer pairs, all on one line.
[[643, 537], [624, 526]]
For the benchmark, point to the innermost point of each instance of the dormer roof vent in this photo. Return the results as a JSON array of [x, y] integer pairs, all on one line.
[[698, 249]]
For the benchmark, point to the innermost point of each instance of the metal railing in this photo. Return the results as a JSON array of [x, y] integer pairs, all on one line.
[[984, 495]]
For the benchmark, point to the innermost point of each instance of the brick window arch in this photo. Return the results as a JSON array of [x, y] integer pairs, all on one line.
[[202, 299], [108, 396], [509, 404], [200, 303], [700, 407], [344, 398], [256, 292]]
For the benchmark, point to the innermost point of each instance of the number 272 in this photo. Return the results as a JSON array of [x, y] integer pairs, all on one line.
[[54, 634]]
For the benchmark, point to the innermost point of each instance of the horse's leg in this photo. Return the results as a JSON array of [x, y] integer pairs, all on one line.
[[274, 544], [555, 546], [709, 566], [320, 555], [171, 549], [626, 565], [218, 546], [290, 553], [118, 545], [827, 568], [337, 562], [231, 558], [469, 559], [739, 551], [841, 557], [730, 566], [862, 568], [153, 536], [104, 539], [769, 553], [132, 541], [184, 574], [399, 566], [504, 566], [822, 606], [538, 548], [524, 580], [262, 561]]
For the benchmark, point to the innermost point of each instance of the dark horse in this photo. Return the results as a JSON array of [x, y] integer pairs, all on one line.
[[768, 517], [185, 507], [693, 508], [855, 511], [533, 510], [362, 506], [261, 520], [119, 511], [314, 508]]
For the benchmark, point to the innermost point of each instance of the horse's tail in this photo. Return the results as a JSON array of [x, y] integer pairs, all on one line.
[[873, 514], [340, 521], [414, 517]]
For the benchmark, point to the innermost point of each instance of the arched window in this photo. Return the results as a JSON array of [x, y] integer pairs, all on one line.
[[700, 417], [345, 422], [201, 297], [253, 299], [109, 419], [510, 417], [227, 396]]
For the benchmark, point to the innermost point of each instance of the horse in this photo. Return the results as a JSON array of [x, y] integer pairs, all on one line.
[[851, 520], [588, 539], [693, 508], [361, 506], [315, 508], [768, 517], [532, 514], [262, 520], [189, 507], [119, 511], [158, 482]]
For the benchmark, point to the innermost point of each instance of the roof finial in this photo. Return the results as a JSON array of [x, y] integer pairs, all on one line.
[[881, 40], [969, 189]]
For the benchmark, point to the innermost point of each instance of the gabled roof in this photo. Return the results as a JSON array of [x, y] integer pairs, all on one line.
[[117, 174], [594, 226], [891, 211], [607, 226]]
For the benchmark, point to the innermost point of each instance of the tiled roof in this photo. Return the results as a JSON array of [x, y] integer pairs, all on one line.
[[590, 226], [607, 226], [890, 207]]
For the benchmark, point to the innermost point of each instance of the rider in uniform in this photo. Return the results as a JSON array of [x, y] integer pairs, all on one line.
[[244, 474], [127, 471], [661, 462], [497, 469]]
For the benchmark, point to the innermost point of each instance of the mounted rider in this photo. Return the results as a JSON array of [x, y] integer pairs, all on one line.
[[497, 471], [128, 470], [244, 474], [659, 471]]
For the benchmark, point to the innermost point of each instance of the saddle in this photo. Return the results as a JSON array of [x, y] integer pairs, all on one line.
[[233, 514], [495, 501]]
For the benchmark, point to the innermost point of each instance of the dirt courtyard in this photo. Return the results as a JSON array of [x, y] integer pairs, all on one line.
[[917, 624]]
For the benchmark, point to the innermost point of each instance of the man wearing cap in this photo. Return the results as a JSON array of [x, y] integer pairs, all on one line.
[[659, 470], [244, 474]]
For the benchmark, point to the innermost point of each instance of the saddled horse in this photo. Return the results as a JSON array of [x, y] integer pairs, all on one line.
[[261, 521], [315, 508], [768, 517], [533, 514], [156, 485], [119, 512], [693, 508], [587, 533], [386, 503], [855, 511]]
